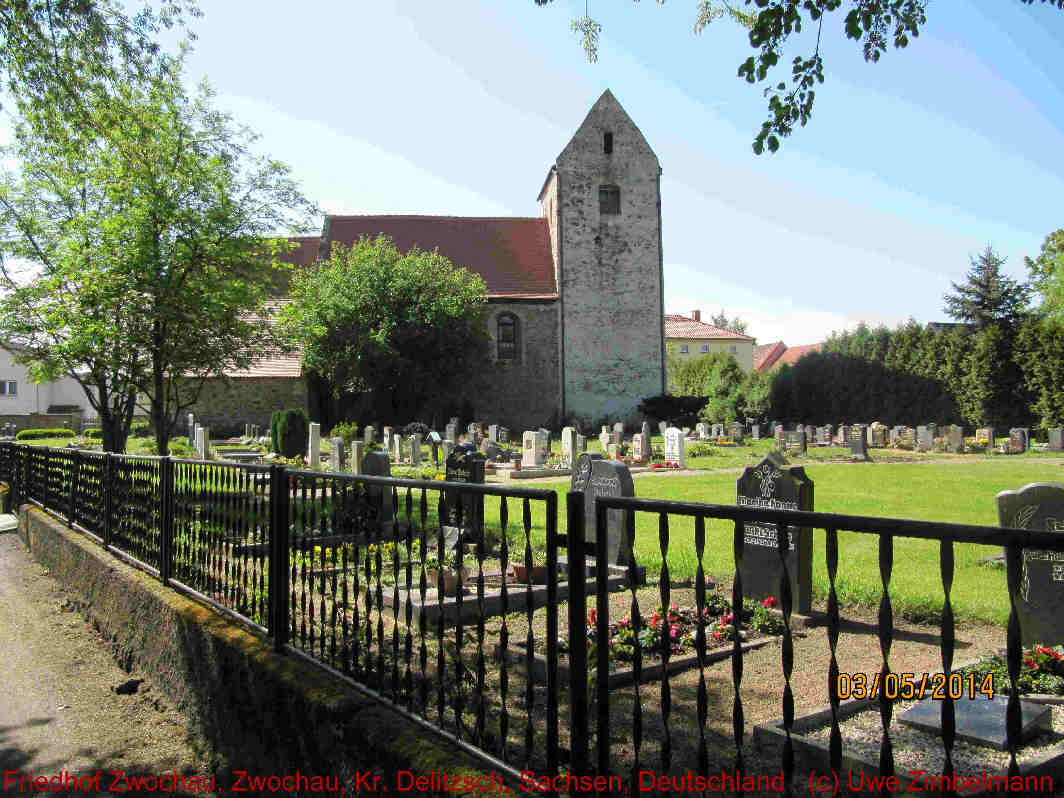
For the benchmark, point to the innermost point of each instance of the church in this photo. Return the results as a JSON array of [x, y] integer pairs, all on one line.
[[575, 295]]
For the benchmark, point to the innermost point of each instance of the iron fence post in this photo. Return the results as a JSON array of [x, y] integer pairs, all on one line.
[[108, 496], [578, 755], [75, 473], [552, 630], [278, 581], [166, 519]]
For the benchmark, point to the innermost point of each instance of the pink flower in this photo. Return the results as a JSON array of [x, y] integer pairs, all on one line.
[[769, 602], [674, 631], [728, 618], [674, 607]]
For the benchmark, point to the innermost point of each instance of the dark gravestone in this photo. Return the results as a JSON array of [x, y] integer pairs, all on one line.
[[465, 512], [956, 439], [595, 476], [925, 439], [1056, 438], [375, 464], [1019, 440], [979, 722], [858, 443], [778, 487], [1038, 506], [489, 448]]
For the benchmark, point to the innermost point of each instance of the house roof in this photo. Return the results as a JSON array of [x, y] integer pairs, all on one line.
[[306, 251], [684, 327], [513, 255], [792, 354], [765, 356], [273, 363]]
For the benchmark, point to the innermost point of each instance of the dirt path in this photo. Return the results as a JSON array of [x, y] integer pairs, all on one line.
[[60, 714]]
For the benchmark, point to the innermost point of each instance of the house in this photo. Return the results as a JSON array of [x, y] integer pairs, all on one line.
[[690, 337], [772, 356], [575, 294], [31, 406]]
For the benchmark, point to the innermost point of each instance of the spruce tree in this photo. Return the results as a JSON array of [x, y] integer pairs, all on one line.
[[987, 297]]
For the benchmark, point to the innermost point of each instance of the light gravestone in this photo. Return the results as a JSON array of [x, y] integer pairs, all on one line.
[[776, 486], [434, 442], [448, 447], [450, 432], [543, 442], [1056, 438], [493, 432], [386, 435], [203, 442], [662, 426], [369, 436], [956, 439], [986, 434], [618, 428], [415, 450], [531, 453], [358, 450], [641, 448], [596, 476], [336, 454], [702, 429], [615, 438], [925, 439], [314, 445], [604, 439], [1039, 506], [645, 429], [735, 432], [755, 431], [568, 446], [675, 447], [465, 513], [793, 441], [397, 449], [581, 446]]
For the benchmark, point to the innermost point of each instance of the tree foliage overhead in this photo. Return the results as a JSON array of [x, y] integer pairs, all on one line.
[[987, 297], [875, 26], [405, 328], [1046, 274]]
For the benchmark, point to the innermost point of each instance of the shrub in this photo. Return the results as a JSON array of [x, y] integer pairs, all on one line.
[[417, 428], [140, 429], [179, 448], [38, 434], [290, 434], [346, 430], [94, 433]]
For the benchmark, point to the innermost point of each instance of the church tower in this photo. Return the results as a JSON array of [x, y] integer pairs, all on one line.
[[602, 202]]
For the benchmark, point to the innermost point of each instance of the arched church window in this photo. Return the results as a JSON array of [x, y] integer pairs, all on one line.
[[506, 337], [609, 199]]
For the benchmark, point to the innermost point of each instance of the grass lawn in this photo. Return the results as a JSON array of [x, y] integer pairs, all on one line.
[[958, 491]]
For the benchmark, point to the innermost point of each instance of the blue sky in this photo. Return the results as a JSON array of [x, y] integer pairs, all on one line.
[[459, 107]]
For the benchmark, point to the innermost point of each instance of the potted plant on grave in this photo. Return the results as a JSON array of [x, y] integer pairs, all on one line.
[[435, 567], [538, 575]]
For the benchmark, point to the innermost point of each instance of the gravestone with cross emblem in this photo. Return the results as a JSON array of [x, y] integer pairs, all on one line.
[[774, 485], [597, 476], [1038, 506]]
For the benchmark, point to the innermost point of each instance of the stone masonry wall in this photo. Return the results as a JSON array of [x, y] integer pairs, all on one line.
[[229, 404], [611, 268], [524, 393]]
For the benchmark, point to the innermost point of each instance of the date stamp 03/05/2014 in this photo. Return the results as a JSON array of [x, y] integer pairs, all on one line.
[[914, 686]]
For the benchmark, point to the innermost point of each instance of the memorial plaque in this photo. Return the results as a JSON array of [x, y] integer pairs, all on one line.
[[596, 476], [532, 455], [779, 487], [675, 447], [465, 518], [1038, 506], [1056, 438]]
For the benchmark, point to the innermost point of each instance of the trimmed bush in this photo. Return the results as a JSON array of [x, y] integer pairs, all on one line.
[[140, 429], [289, 431], [38, 434], [94, 433], [345, 430]]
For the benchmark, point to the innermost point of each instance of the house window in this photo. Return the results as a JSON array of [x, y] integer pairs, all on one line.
[[607, 143], [705, 348], [683, 349], [506, 337], [8, 388], [609, 200], [733, 349]]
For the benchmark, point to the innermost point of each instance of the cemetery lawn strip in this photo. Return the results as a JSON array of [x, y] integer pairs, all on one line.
[[947, 492]]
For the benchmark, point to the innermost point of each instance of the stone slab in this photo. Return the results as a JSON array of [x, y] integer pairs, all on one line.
[[8, 523], [978, 721]]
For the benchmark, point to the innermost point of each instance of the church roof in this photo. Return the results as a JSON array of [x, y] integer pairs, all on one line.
[[790, 357], [766, 356], [684, 327], [512, 254]]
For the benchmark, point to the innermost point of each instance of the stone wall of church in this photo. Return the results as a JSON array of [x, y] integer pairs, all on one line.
[[611, 269], [525, 392], [226, 405]]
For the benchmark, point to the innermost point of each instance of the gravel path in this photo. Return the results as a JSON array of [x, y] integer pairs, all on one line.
[[60, 712]]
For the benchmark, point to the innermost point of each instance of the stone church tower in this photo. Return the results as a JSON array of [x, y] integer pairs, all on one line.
[[602, 202]]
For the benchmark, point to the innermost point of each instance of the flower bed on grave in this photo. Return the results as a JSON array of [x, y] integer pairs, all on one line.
[[1041, 672]]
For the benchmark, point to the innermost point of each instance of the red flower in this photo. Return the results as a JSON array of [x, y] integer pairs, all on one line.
[[717, 635], [674, 607], [728, 618], [592, 617], [769, 602], [655, 620]]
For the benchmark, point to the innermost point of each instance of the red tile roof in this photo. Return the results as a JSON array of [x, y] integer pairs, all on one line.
[[792, 354], [683, 327], [513, 255], [765, 357], [305, 253], [273, 363]]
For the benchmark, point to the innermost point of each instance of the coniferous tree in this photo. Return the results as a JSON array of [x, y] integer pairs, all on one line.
[[987, 297]]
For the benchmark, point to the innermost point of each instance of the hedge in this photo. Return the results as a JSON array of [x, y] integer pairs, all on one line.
[[38, 434]]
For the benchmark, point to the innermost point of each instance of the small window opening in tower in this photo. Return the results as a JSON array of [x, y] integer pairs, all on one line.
[[609, 199], [607, 143]]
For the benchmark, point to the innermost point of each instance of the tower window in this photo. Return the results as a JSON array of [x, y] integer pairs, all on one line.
[[506, 337], [607, 143], [609, 199]]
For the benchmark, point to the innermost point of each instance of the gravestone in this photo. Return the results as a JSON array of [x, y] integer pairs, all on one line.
[[702, 430], [1038, 506], [203, 442], [613, 451], [1019, 440], [662, 426], [810, 432], [793, 441], [493, 433], [397, 449], [448, 447], [604, 439], [907, 435], [465, 513], [595, 476], [314, 445], [415, 449], [858, 444], [568, 446], [336, 453], [375, 464], [735, 432], [191, 430], [987, 436], [755, 431], [1056, 438], [778, 487], [543, 442], [645, 429], [450, 432], [475, 431], [531, 453], [504, 435], [358, 449], [979, 722], [640, 448], [618, 428], [386, 439], [490, 449], [925, 439], [369, 435], [581, 446], [615, 437], [675, 447], [823, 436], [955, 436]]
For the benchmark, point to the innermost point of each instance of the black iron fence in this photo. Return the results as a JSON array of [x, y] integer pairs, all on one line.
[[399, 587]]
